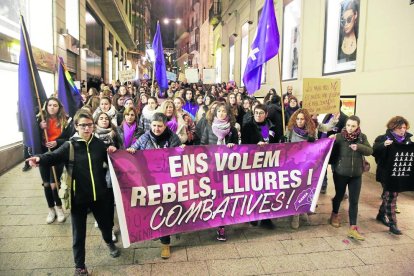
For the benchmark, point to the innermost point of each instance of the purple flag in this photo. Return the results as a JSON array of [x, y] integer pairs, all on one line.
[[264, 46], [68, 93], [166, 191], [31, 94], [160, 71]]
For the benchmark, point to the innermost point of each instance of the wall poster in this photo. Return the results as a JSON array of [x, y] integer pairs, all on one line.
[[341, 36]]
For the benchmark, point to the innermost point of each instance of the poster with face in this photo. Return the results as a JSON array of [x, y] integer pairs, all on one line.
[[341, 36]]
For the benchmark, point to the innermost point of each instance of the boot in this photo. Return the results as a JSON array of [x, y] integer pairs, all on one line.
[[334, 220], [165, 251], [394, 229], [382, 218], [113, 250]]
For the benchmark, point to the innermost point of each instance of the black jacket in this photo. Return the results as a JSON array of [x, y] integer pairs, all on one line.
[[88, 175], [380, 152], [252, 133], [274, 114]]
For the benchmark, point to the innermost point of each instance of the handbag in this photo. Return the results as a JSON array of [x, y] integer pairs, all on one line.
[[66, 185], [366, 166]]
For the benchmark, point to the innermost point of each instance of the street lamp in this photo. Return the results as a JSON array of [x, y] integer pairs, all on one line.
[[166, 21]]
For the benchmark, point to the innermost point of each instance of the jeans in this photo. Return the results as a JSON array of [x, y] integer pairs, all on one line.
[[100, 210], [51, 195], [354, 188]]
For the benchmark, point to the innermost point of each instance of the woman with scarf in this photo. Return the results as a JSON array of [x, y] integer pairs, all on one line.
[[59, 128], [106, 106], [106, 132], [300, 128], [260, 131], [350, 147], [220, 130], [128, 132], [148, 110], [175, 122], [291, 107], [396, 133]]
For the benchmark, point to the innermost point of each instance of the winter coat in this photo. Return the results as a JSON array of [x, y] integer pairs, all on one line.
[[191, 108], [88, 175], [252, 133], [293, 137], [349, 162], [147, 141], [199, 130], [380, 152], [274, 114], [209, 138]]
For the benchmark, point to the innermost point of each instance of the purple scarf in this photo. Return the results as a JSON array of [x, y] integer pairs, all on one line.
[[300, 131], [397, 137], [221, 128], [265, 132], [129, 131], [172, 124]]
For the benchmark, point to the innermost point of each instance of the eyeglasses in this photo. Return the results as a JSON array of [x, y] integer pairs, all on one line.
[[259, 113], [83, 126], [347, 20]]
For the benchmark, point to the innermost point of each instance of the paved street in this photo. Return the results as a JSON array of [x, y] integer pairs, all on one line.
[[28, 246]]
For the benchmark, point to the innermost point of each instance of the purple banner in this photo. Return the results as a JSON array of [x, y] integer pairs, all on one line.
[[168, 191]]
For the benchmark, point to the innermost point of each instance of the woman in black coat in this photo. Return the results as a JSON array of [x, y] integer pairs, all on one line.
[[396, 133]]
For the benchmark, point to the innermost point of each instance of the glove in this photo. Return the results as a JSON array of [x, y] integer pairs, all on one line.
[[311, 139]]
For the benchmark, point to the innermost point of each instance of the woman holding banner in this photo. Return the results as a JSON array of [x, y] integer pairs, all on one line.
[[261, 131], [159, 136], [396, 133], [300, 128], [220, 130], [349, 148]]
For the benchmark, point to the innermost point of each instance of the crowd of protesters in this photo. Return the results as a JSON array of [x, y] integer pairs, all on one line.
[[134, 118]]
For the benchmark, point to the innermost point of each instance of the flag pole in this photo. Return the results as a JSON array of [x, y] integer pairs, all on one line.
[[37, 92], [282, 105]]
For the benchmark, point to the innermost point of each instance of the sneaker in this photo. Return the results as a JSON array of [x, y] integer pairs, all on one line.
[[96, 224], [165, 251], [221, 234], [81, 271], [51, 216], [113, 250], [394, 229], [334, 220], [397, 210], [382, 218], [114, 238], [60, 215], [353, 233], [26, 167], [294, 224]]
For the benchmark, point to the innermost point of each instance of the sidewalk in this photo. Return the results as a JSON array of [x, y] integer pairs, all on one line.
[[28, 246]]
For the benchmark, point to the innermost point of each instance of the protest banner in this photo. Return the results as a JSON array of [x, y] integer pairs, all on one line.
[[171, 76], [209, 76], [191, 74], [400, 167], [167, 191], [321, 96], [127, 75]]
